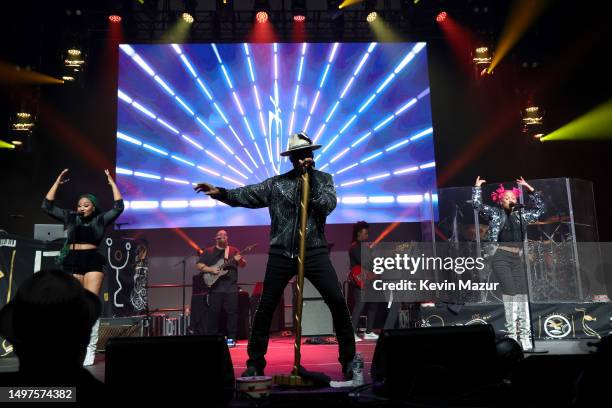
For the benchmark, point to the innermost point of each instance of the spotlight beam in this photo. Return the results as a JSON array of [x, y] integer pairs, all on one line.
[[594, 125], [521, 17]]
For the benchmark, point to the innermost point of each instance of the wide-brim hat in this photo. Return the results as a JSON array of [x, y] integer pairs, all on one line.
[[299, 141], [48, 299]]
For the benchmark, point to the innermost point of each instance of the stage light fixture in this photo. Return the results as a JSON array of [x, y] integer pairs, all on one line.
[[22, 122], [370, 11], [114, 18], [441, 16], [532, 116], [17, 142], [261, 17], [262, 8], [482, 58], [189, 11], [188, 18], [298, 8], [74, 59], [533, 121]]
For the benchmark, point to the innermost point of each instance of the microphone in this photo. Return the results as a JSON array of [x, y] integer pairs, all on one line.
[[75, 214], [517, 206]]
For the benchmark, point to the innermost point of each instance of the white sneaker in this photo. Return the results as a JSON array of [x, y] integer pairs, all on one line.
[[357, 338], [370, 336]]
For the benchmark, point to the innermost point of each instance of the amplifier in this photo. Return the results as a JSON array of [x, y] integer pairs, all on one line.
[[119, 327]]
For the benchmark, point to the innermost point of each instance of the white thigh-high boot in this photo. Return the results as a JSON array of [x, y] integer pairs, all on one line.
[[524, 322], [91, 347], [510, 313]]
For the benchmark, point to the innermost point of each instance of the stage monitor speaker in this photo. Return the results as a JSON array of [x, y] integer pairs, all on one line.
[[151, 368], [435, 362]]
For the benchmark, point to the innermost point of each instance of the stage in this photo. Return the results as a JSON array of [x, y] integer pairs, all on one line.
[[321, 358]]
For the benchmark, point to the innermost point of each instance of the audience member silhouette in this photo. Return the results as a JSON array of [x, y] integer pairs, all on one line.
[[49, 322]]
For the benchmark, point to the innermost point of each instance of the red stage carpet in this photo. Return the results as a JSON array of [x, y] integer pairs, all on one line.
[[315, 357]]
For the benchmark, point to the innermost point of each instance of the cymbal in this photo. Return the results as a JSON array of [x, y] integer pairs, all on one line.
[[552, 220]]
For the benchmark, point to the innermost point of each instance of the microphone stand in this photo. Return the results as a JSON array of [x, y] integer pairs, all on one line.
[[184, 263], [526, 265]]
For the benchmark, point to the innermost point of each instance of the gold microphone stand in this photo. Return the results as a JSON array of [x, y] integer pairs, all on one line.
[[294, 379]]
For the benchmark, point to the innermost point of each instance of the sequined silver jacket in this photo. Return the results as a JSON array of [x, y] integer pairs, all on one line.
[[497, 216], [281, 194]]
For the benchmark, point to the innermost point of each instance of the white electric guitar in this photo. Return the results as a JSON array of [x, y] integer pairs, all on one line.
[[221, 267]]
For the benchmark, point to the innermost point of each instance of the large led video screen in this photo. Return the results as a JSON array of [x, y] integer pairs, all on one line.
[[222, 113]]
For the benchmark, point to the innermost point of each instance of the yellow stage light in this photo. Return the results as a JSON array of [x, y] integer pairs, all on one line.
[[188, 18]]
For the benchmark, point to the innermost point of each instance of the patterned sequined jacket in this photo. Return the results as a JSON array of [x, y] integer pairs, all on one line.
[[497, 216], [281, 194]]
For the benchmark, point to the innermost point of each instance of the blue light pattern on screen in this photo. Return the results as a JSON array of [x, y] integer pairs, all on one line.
[[222, 113]]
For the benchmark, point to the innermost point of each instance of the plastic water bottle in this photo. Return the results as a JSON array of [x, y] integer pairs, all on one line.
[[357, 370]]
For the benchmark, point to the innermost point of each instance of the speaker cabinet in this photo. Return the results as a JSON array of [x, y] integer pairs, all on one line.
[[145, 368]]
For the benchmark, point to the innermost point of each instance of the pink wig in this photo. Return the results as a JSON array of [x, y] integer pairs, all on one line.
[[498, 194]]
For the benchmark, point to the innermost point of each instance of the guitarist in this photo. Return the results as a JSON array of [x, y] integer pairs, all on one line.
[[223, 295], [357, 281]]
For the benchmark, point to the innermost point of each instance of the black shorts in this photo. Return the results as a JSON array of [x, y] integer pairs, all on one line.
[[82, 261]]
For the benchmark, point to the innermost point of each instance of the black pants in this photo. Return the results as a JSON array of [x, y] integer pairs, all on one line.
[[199, 314], [359, 306], [227, 301], [509, 269], [320, 272], [206, 313]]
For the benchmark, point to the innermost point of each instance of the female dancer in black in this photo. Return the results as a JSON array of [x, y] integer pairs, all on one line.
[[85, 227]]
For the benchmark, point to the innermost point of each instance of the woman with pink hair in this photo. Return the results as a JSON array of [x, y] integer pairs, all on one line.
[[505, 235]]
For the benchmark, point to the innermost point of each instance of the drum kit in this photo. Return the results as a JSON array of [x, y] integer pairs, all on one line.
[[552, 266], [550, 251]]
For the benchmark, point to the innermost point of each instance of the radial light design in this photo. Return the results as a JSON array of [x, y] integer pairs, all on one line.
[[221, 113]]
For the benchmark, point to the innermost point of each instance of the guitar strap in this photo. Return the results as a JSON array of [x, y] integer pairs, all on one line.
[[226, 255]]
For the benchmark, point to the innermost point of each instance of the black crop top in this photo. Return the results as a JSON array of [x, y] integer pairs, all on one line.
[[84, 230]]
